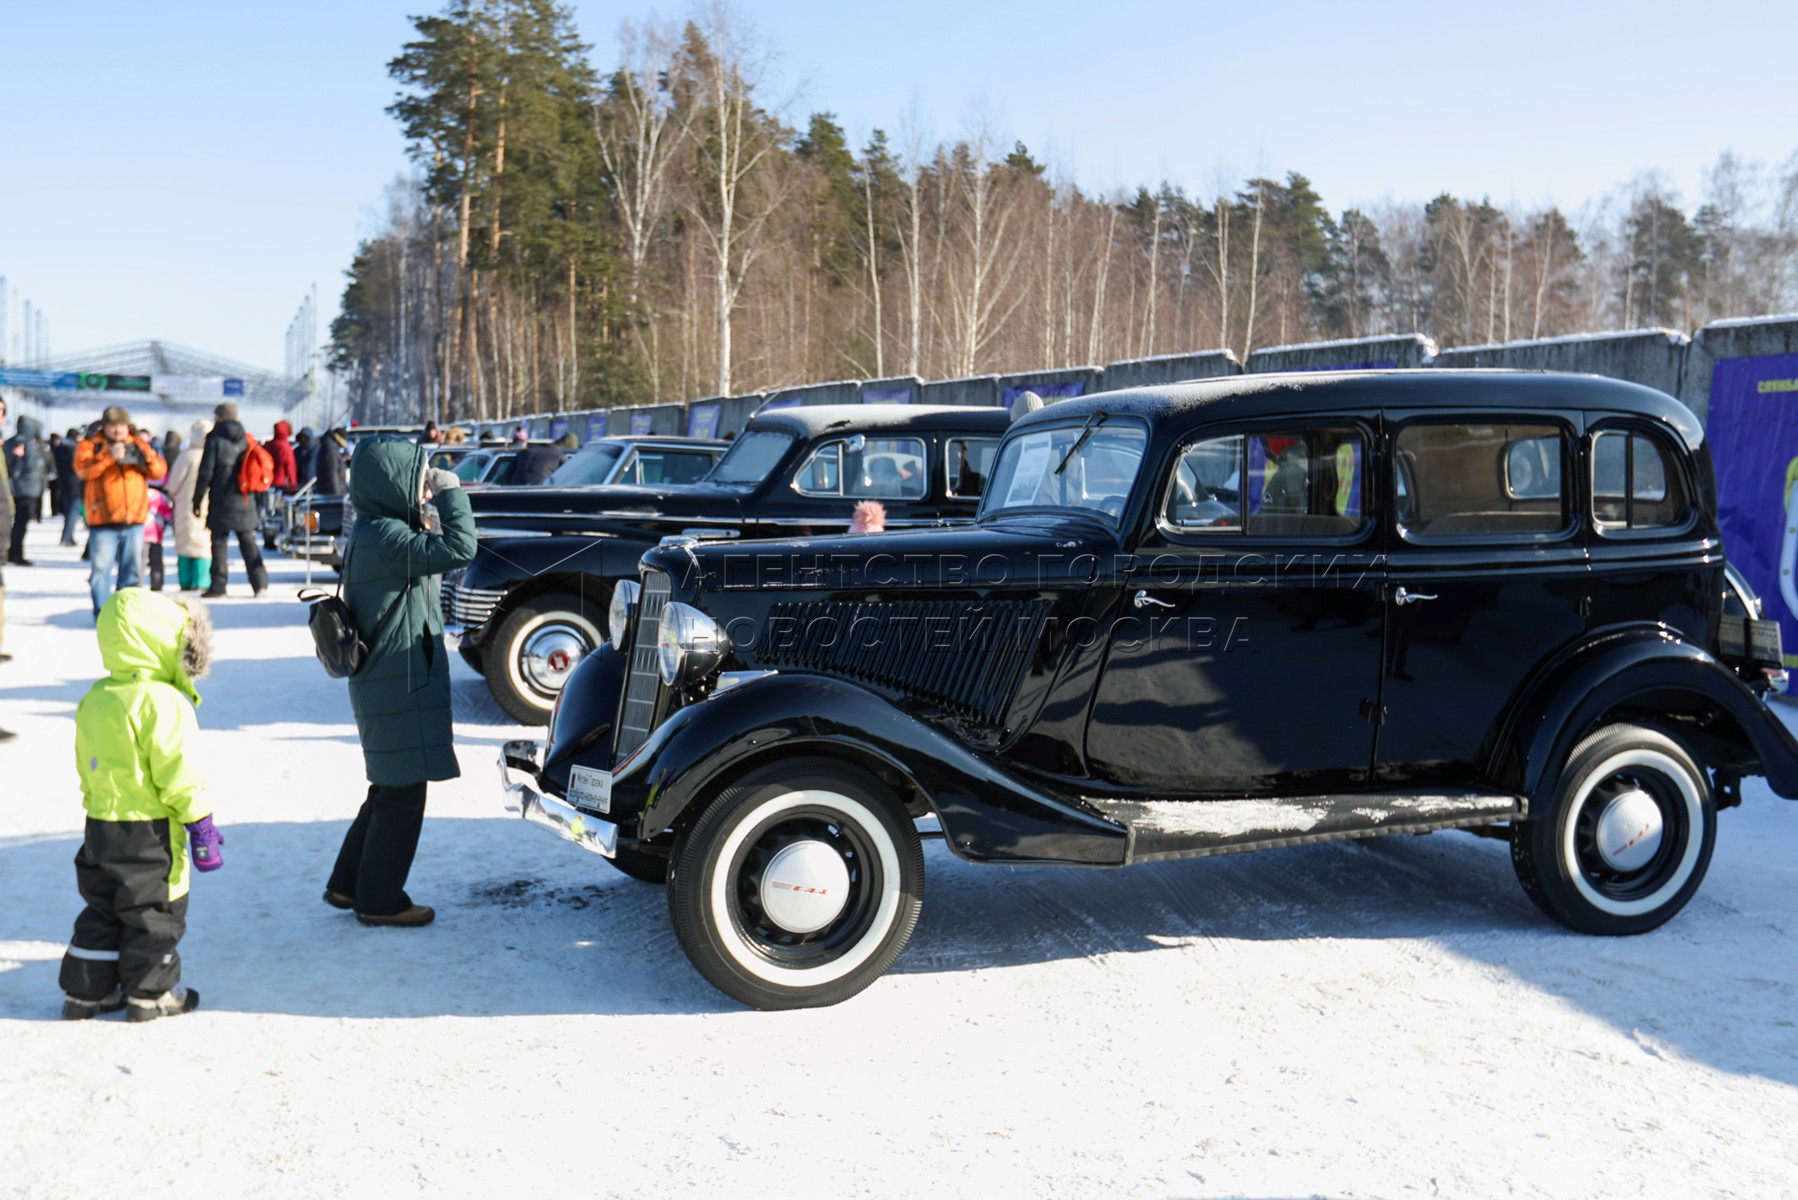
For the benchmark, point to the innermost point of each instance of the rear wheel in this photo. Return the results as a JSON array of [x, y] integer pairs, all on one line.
[[798, 886], [1626, 839], [530, 656]]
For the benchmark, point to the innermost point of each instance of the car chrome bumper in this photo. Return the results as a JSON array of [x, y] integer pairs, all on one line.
[[546, 812]]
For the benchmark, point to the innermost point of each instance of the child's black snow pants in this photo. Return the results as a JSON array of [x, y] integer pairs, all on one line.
[[127, 934]]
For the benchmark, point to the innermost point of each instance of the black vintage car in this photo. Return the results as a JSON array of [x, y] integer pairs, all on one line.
[[532, 604], [1190, 621]]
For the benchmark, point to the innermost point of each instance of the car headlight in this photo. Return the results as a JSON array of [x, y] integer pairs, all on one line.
[[689, 644], [618, 617]]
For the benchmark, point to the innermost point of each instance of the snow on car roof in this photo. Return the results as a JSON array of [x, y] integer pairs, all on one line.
[[1277, 394]]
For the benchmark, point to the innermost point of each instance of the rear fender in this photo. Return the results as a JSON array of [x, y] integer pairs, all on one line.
[[1641, 667], [987, 813]]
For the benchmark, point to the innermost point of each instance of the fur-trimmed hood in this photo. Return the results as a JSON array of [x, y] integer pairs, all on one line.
[[146, 635]]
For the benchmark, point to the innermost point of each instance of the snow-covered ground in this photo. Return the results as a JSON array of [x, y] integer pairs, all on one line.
[[1387, 1018]]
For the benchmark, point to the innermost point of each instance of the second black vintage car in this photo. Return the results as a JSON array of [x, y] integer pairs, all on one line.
[[532, 605], [1191, 620]]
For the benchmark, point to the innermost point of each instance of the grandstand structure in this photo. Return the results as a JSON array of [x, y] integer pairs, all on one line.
[[192, 380]]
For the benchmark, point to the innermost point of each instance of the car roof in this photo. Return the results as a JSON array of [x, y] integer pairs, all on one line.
[[1181, 405], [815, 419], [656, 439]]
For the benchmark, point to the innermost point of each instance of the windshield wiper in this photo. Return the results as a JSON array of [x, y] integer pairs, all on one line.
[[1086, 431]]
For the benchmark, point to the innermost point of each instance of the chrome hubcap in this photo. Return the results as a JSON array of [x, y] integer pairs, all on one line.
[[805, 886], [1629, 830], [549, 655]]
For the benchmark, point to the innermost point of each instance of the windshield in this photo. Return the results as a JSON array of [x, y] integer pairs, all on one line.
[[1087, 466], [751, 458], [591, 465]]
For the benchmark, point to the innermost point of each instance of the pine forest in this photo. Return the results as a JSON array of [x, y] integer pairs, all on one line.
[[662, 227]]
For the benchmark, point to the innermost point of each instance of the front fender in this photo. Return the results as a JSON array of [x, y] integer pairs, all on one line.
[[1640, 666], [987, 813], [580, 732], [513, 564]]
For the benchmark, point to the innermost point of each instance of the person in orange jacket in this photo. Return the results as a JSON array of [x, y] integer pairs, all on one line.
[[117, 467]]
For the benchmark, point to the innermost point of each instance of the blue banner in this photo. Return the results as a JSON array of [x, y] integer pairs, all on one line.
[[1753, 431], [783, 402], [702, 420], [642, 422], [887, 395], [557, 427], [596, 426], [1064, 390]]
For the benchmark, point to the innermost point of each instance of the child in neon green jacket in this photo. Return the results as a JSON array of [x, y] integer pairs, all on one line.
[[146, 809]]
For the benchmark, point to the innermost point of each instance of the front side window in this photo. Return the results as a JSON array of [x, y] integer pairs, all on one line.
[[1481, 480], [472, 465], [868, 468], [1634, 483], [1293, 483], [751, 458], [1089, 466], [970, 462]]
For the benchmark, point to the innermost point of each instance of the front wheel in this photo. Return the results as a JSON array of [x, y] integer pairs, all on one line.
[[798, 886], [530, 656], [1627, 837]]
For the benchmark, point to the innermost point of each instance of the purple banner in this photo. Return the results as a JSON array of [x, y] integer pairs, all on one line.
[[1065, 390], [596, 426], [702, 420], [642, 422], [1753, 431], [890, 395]]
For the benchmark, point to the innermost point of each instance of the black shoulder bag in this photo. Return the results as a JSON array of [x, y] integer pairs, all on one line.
[[340, 645]]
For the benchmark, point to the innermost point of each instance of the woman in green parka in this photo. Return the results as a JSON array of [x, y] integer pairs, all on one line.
[[401, 695]]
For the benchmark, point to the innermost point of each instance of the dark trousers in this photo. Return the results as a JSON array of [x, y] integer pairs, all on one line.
[[252, 559], [127, 934], [24, 509], [377, 851], [153, 552]]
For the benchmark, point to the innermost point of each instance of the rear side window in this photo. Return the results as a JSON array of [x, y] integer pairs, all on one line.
[[1295, 483], [1635, 483], [1481, 480]]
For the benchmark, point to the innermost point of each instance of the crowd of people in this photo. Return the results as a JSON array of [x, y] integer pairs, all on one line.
[[144, 793], [134, 496]]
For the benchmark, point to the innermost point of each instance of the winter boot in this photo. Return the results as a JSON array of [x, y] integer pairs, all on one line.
[[412, 918], [171, 1003], [339, 900], [80, 1008]]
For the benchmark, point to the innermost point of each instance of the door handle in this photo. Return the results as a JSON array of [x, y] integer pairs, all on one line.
[[1404, 597], [1143, 600]]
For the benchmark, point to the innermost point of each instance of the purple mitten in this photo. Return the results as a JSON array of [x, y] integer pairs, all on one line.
[[205, 842]]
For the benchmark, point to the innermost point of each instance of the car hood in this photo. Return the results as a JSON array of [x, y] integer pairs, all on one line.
[[976, 559], [529, 507]]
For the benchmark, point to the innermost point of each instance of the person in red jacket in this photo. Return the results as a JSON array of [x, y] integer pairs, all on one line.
[[286, 480], [287, 471]]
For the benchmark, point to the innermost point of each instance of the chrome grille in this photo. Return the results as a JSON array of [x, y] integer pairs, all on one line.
[[643, 682], [965, 656], [468, 606]]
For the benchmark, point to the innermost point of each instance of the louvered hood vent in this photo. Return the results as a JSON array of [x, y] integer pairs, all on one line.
[[965, 656]]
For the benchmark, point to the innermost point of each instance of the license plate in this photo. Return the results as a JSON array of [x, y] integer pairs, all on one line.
[[590, 789]]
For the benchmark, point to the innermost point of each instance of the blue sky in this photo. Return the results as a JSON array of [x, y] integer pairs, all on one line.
[[187, 170]]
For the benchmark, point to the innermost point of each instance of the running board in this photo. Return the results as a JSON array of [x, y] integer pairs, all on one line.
[[1164, 829]]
